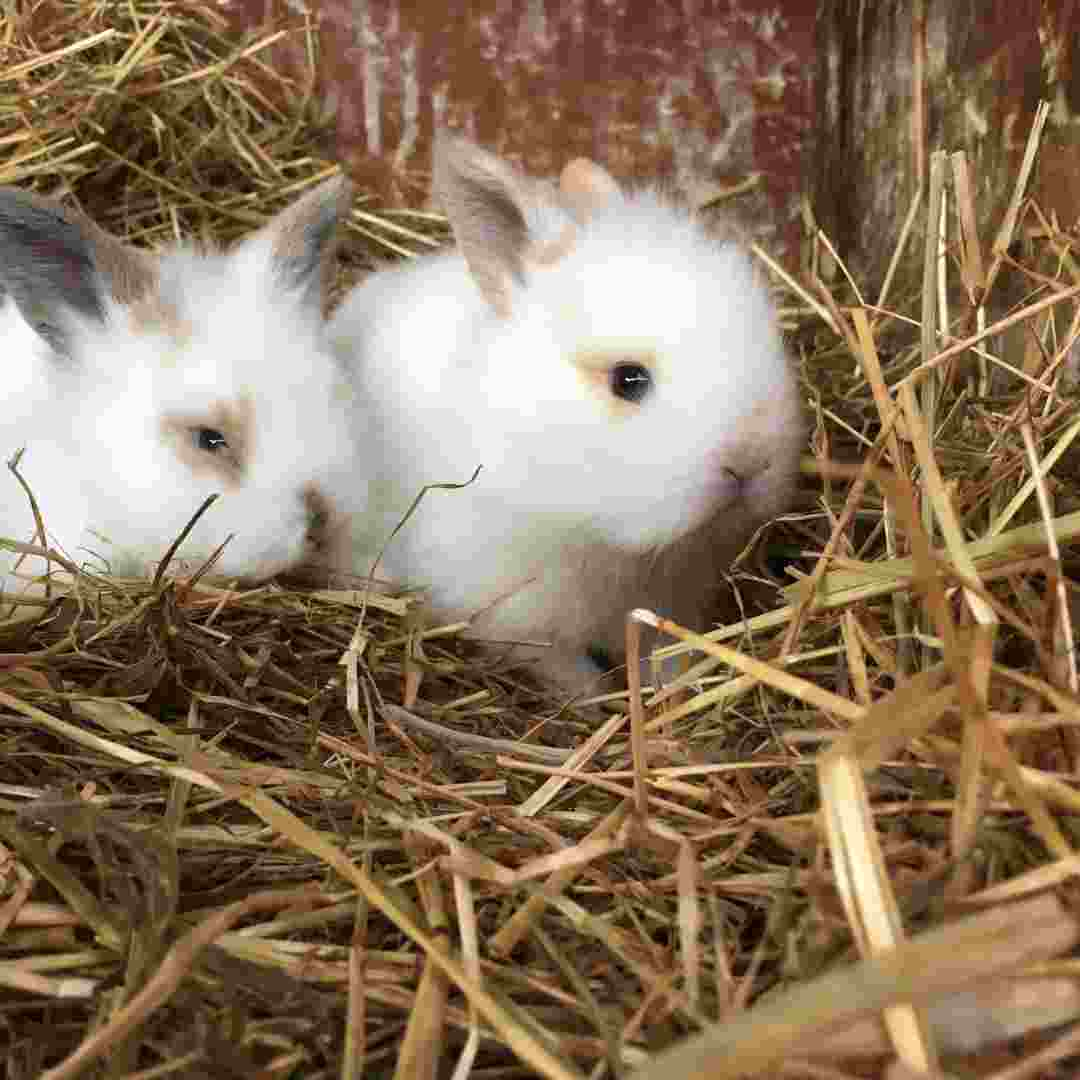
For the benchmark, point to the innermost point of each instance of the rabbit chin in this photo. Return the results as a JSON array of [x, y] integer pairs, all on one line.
[[683, 508], [131, 541], [255, 562], [253, 551]]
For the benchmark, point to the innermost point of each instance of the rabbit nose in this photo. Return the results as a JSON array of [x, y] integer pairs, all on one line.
[[745, 470]]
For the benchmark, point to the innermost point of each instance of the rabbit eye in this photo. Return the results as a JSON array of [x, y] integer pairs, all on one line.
[[631, 382], [210, 440]]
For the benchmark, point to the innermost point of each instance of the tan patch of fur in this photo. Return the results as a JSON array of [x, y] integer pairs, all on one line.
[[586, 186], [549, 253], [594, 366], [494, 286], [152, 312], [581, 599], [234, 420], [134, 278], [328, 538], [133, 274], [684, 580]]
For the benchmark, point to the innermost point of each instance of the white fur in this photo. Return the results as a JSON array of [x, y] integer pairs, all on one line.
[[578, 494], [112, 491]]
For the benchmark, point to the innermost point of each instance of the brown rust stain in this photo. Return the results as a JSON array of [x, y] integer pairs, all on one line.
[[805, 95], [701, 93]]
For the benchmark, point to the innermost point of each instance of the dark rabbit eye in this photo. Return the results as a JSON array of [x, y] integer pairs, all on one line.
[[210, 440], [631, 382]]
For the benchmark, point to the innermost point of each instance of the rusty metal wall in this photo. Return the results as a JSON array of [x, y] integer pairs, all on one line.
[[797, 96], [704, 92]]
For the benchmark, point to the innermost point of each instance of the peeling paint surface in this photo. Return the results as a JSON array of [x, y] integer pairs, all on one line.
[[798, 95], [700, 93]]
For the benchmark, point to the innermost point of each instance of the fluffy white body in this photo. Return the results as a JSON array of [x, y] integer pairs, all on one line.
[[617, 376], [139, 385]]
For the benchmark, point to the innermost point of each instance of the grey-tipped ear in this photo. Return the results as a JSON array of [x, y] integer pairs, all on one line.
[[54, 262], [486, 200], [47, 264], [303, 237]]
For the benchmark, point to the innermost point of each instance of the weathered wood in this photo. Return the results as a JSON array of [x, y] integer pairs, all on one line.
[[844, 99], [703, 92], [898, 79]]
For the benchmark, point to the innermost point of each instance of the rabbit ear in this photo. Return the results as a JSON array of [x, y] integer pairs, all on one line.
[[486, 200], [56, 263], [303, 238], [585, 187]]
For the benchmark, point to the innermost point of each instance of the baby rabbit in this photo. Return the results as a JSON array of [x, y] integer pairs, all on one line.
[[139, 384], [620, 379]]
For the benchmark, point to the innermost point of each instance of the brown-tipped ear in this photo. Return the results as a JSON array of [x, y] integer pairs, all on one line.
[[486, 200], [585, 187], [56, 262], [131, 273], [303, 237]]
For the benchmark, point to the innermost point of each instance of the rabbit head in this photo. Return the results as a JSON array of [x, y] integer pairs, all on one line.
[[631, 375], [615, 371], [140, 384]]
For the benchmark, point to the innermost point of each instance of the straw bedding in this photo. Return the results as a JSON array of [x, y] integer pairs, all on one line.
[[841, 846]]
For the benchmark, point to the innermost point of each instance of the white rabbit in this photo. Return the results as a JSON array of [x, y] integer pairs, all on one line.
[[620, 379], [140, 384]]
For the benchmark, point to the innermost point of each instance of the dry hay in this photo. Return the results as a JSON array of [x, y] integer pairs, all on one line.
[[225, 849]]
